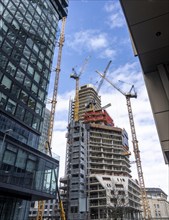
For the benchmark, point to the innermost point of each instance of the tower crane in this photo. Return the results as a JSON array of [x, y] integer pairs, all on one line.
[[128, 95], [76, 76], [41, 204], [91, 103], [104, 75]]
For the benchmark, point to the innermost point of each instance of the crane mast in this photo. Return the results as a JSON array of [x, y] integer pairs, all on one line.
[[77, 77], [41, 204], [146, 209], [55, 91]]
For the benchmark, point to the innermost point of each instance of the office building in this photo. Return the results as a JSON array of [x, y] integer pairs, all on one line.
[[148, 23], [158, 203], [27, 42], [97, 182]]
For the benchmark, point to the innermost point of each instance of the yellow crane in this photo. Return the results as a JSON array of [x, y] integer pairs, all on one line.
[[41, 204], [76, 76], [129, 95]]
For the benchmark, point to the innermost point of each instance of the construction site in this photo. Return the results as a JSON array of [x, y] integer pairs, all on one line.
[[97, 182]]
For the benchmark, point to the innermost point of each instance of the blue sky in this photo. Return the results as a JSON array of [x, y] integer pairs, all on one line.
[[98, 28]]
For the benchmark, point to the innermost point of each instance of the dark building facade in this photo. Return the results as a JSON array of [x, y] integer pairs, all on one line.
[[27, 41]]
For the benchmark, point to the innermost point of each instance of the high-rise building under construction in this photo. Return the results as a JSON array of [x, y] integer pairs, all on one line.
[[97, 182]]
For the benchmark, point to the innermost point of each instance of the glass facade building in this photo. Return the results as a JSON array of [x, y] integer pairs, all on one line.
[[28, 31]]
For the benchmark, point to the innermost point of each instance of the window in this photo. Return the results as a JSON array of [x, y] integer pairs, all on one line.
[[31, 103], [27, 83], [23, 97], [30, 70], [19, 112], [37, 77], [23, 64], [2, 100], [10, 107], [11, 69], [38, 109], [15, 91], [41, 95], [6, 83], [11, 36], [28, 118], [7, 47], [27, 52], [19, 76], [3, 61], [34, 89], [36, 122]]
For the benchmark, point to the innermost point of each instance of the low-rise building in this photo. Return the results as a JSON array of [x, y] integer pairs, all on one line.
[[158, 203]]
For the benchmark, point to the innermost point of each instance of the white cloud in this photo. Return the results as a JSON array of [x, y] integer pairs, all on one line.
[[115, 17], [92, 41], [108, 53], [88, 39]]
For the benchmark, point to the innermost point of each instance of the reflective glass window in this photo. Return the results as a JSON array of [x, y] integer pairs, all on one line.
[[9, 157], [19, 45], [38, 109], [31, 9], [41, 95], [4, 28], [37, 77], [15, 25], [27, 83], [1, 74], [34, 89], [6, 83], [20, 112], [3, 99], [33, 58], [23, 64], [10, 106], [19, 76], [27, 52], [3, 60], [28, 118], [41, 55], [22, 8], [30, 70], [29, 42], [23, 97], [12, 7], [36, 49], [1, 39], [7, 16], [44, 83], [21, 158], [36, 122], [15, 90], [29, 17], [39, 66], [11, 36], [26, 25], [31, 103], [7, 47], [23, 35], [16, 56], [19, 17]]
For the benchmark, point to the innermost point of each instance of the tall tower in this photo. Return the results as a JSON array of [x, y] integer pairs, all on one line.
[[27, 42], [97, 182]]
